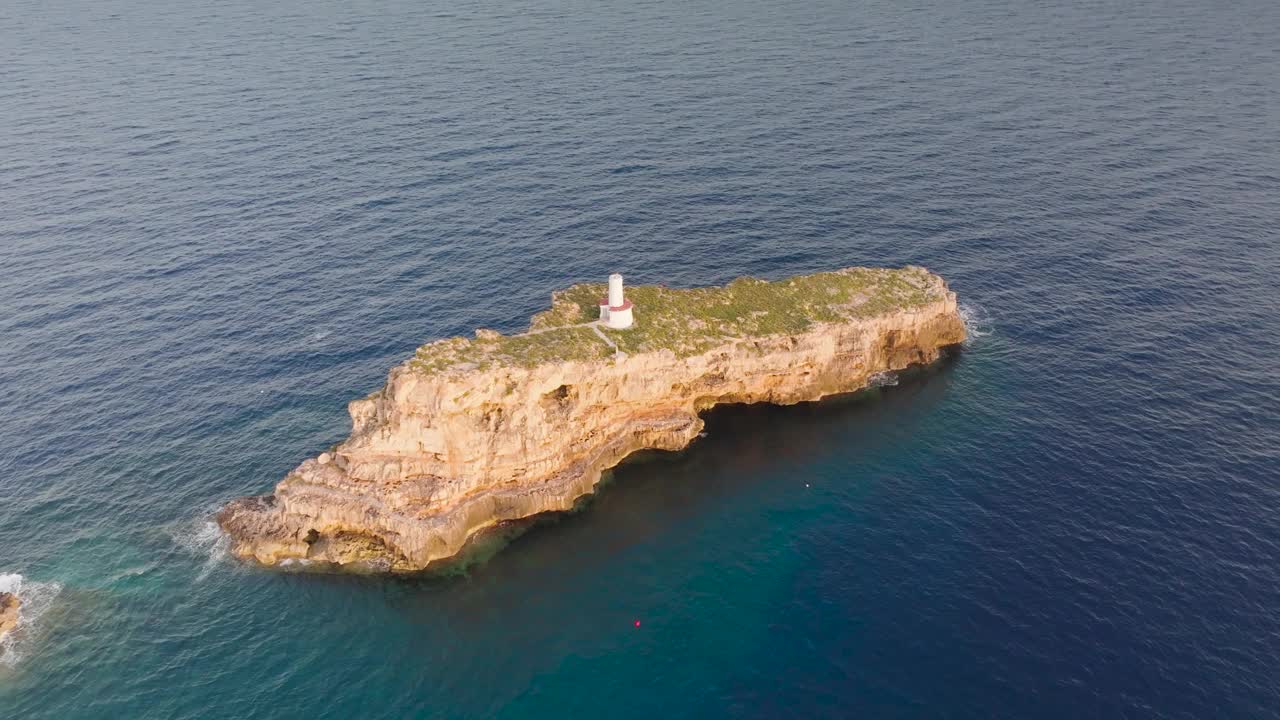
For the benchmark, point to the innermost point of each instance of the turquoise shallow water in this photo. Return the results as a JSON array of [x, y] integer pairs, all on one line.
[[221, 222]]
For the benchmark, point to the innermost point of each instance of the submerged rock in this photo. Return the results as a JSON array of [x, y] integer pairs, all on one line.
[[10, 606], [472, 432]]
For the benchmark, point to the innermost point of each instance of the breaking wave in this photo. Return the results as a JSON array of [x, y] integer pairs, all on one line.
[[36, 599], [977, 322], [204, 539], [883, 379]]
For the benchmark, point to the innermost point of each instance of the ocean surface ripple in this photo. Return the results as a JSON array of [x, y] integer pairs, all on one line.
[[222, 221]]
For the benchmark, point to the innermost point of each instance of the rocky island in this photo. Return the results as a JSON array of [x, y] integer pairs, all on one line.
[[10, 606], [472, 432]]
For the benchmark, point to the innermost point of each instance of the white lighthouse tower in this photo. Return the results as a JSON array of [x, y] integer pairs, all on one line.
[[615, 310]]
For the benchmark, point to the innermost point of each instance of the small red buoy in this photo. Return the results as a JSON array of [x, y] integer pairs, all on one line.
[[637, 623]]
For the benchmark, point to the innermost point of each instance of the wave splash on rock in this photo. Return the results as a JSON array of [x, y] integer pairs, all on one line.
[[34, 600], [203, 539], [977, 322]]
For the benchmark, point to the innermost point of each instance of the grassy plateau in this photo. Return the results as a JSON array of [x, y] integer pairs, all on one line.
[[686, 321]]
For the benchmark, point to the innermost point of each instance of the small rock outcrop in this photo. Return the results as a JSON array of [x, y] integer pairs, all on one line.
[[10, 606], [472, 432]]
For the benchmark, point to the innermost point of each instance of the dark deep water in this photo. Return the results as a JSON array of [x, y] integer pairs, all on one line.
[[221, 221]]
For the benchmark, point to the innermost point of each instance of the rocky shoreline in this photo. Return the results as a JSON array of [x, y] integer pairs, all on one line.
[[470, 433], [10, 607]]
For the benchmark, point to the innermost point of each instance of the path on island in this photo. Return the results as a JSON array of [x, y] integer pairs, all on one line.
[[595, 327], [618, 354]]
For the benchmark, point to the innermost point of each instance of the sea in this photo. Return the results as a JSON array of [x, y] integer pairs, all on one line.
[[221, 221]]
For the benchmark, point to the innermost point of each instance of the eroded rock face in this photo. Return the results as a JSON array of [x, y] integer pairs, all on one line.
[[9, 608], [435, 457]]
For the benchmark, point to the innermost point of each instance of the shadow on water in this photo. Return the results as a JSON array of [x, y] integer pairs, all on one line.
[[653, 494]]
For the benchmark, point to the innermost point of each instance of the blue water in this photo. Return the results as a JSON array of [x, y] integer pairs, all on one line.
[[221, 221]]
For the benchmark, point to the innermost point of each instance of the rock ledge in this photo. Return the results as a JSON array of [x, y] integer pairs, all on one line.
[[10, 607]]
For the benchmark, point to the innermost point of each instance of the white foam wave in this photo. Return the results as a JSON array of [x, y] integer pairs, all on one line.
[[204, 539], [36, 599], [977, 322], [885, 378]]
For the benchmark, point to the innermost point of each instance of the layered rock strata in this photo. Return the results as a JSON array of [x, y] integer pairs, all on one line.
[[470, 433]]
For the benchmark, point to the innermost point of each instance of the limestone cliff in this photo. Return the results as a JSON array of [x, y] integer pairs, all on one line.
[[470, 433]]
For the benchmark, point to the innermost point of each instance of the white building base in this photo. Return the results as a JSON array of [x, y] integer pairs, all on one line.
[[619, 318]]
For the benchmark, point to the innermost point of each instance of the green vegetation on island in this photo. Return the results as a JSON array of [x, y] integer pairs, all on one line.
[[686, 321]]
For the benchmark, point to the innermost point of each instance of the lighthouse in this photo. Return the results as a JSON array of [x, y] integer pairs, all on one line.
[[615, 310]]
